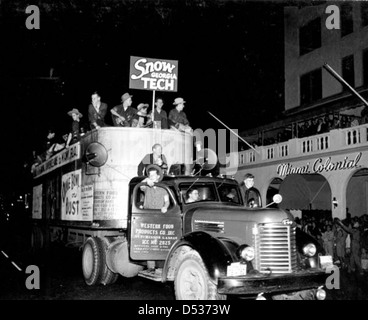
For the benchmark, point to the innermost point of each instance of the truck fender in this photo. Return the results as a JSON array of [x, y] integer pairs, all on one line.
[[216, 253]]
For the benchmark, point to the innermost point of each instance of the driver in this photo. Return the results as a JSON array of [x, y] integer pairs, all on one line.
[[193, 196]]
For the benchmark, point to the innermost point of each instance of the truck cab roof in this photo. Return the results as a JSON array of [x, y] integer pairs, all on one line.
[[211, 188], [175, 180]]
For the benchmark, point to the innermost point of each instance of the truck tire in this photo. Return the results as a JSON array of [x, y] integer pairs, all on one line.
[[92, 259], [192, 281], [107, 276], [37, 240]]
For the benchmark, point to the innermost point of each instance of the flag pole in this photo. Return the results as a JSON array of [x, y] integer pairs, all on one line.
[[234, 132], [153, 108]]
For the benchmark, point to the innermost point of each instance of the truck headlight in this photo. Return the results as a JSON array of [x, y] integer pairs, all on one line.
[[309, 250], [245, 252], [320, 294]]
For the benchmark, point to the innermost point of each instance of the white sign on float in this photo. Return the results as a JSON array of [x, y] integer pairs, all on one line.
[[60, 159], [71, 196], [37, 202], [153, 74], [87, 202]]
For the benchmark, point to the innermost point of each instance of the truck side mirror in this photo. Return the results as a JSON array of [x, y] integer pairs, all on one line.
[[207, 159], [277, 198]]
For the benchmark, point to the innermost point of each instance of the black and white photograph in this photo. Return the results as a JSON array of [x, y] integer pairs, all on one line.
[[159, 151]]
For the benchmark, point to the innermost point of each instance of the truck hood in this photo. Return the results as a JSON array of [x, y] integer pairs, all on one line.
[[241, 214], [230, 222]]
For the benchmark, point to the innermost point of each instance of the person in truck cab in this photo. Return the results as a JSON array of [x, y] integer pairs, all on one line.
[[250, 193], [192, 196], [154, 197], [252, 203], [232, 196]]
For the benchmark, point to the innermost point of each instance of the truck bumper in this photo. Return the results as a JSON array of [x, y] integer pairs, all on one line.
[[253, 284]]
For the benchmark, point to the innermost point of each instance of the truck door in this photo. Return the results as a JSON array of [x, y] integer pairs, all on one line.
[[152, 233]]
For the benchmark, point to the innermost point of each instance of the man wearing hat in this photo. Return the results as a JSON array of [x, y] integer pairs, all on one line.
[[251, 195], [141, 118], [123, 114], [177, 117], [74, 135], [97, 112]]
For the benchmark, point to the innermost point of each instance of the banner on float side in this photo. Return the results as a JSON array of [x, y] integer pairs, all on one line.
[[153, 74]]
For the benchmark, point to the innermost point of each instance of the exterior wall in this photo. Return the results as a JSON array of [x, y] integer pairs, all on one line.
[[309, 156], [333, 49]]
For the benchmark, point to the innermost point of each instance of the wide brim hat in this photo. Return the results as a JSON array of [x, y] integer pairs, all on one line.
[[178, 101], [142, 105], [125, 96], [155, 166], [76, 111]]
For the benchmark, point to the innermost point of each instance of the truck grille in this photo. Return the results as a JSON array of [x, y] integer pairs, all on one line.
[[211, 226], [275, 248]]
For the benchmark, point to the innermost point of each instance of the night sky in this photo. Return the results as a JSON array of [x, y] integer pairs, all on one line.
[[230, 57]]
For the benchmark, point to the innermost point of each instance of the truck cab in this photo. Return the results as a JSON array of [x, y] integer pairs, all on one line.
[[216, 247]]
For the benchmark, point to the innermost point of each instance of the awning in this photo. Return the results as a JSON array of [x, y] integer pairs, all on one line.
[[305, 192]]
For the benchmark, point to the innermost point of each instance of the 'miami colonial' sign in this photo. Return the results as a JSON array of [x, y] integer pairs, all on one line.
[[319, 165], [153, 74]]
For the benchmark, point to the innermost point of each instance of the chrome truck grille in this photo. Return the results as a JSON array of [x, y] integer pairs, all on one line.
[[275, 248]]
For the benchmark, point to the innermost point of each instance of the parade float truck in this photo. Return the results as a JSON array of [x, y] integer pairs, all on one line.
[[88, 196]]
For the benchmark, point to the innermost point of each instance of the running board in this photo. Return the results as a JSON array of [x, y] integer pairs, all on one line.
[[155, 275]]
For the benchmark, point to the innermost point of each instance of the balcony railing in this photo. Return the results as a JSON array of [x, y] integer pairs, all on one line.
[[334, 140]]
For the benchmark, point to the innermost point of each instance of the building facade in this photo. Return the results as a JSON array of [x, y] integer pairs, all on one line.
[[313, 168]]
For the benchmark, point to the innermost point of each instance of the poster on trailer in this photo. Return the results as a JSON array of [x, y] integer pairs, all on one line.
[[37, 202], [153, 74], [71, 196]]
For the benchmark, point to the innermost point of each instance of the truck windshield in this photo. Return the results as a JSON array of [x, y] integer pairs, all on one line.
[[198, 192], [229, 193]]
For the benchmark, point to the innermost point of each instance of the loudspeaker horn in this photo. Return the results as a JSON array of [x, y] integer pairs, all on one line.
[[96, 154], [207, 158]]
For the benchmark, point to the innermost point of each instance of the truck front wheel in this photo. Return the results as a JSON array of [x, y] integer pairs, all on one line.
[[107, 276], [92, 259], [192, 281]]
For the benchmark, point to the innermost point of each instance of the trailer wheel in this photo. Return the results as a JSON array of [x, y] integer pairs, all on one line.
[[107, 276], [37, 240], [192, 281], [92, 259]]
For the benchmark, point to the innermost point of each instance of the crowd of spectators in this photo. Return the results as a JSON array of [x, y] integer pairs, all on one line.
[[323, 124], [312, 126], [346, 241]]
